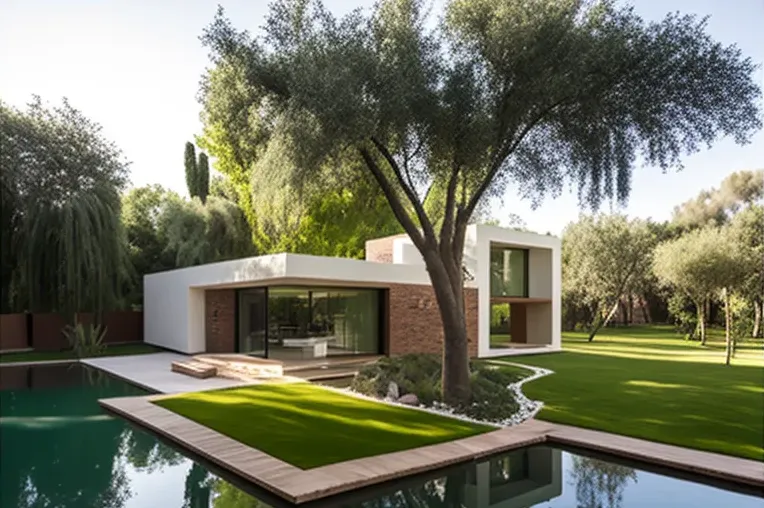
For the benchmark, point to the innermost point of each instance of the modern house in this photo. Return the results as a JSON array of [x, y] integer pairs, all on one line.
[[289, 306]]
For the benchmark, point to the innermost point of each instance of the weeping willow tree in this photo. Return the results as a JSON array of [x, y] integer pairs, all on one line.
[[199, 233], [61, 182]]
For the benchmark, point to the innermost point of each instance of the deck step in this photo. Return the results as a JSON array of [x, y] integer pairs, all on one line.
[[194, 369]]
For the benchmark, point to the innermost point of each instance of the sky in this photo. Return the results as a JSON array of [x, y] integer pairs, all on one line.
[[134, 67]]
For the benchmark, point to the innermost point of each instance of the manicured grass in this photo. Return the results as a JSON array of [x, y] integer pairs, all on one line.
[[39, 356], [310, 426], [649, 383], [500, 340]]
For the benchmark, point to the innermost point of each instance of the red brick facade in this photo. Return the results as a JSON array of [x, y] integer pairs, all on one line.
[[414, 320], [220, 320]]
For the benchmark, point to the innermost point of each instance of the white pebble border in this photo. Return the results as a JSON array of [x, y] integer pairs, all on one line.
[[527, 408]]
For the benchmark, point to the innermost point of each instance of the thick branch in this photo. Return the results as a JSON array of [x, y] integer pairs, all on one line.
[[505, 151], [392, 198], [424, 221]]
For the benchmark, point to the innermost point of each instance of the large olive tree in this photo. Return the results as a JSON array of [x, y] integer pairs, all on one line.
[[537, 93]]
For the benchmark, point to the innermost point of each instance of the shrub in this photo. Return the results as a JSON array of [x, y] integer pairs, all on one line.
[[85, 341], [420, 374]]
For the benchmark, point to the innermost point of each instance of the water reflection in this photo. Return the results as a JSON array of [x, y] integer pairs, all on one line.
[[59, 451], [600, 484]]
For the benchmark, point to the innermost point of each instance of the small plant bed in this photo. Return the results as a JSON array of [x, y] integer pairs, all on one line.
[[69, 354], [310, 426], [415, 380]]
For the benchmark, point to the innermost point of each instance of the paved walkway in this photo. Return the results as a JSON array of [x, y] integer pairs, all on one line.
[[152, 372]]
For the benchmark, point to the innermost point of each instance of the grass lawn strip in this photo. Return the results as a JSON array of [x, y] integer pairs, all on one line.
[[41, 356], [310, 426], [645, 383]]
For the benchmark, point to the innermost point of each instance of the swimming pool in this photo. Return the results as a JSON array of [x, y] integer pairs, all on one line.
[[58, 449]]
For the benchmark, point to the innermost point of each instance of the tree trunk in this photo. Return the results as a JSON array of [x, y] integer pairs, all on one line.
[[727, 324], [599, 323], [758, 310], [643, 306], [456, 357], [701, 326]]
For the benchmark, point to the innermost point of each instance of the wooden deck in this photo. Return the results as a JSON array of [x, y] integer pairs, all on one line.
[[299, 486]]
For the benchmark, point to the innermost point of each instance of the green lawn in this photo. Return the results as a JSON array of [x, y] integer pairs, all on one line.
[[310, 426], [646, 382], [39, 356]]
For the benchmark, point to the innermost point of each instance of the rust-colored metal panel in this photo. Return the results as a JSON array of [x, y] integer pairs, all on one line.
[[46, 332], [123, 326], [518, 323], [13, 331]]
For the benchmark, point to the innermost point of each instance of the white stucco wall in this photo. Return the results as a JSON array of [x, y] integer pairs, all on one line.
[[544, 281], [174, 300]]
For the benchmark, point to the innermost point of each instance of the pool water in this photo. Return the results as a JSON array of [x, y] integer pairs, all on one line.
[[58, 449]]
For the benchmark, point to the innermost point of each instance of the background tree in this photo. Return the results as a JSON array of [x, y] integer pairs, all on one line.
[[605, 258], [702, 264], [203, 177], [198, 234], [189, 162], [715, 207], [61, 183], [143, 210], [254, 173], [537, 92], [747, 229]]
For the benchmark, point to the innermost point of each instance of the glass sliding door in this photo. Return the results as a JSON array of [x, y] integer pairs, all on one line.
[[308, 323], [253, 321]]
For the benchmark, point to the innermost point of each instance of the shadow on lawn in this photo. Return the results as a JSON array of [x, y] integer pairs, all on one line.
[[699, 405], [303, 424]]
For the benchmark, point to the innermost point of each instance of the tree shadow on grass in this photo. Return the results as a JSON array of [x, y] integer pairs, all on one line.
[[309, 426]]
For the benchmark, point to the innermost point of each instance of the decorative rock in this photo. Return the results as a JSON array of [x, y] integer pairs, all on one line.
[[392, 391], [410, 399], [526, 408]]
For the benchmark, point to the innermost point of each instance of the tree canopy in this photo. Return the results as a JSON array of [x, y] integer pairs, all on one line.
[[700, 264], [538, 93], [604, 259], [715, 207], [64, 245]]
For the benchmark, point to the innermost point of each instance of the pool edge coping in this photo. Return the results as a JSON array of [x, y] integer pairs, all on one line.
[[300, 486]]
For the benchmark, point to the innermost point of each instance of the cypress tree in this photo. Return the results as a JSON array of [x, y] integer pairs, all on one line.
[[203, 177], [191, 170]]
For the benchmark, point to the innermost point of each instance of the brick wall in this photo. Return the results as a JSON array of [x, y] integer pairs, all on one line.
[[414, 320], [380, 250], [219, 320]]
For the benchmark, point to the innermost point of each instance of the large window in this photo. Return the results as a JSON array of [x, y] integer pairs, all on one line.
[[316, 322], [509, 272]]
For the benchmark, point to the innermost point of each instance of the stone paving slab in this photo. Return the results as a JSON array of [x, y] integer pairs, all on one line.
[[723, 467], [152, 372], [299, 486]]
